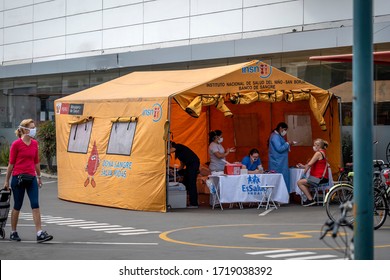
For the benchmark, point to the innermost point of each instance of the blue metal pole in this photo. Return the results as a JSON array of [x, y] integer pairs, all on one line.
[[362, 129]]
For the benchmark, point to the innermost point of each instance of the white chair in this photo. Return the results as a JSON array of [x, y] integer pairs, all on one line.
[[266, 200], [214, 194]]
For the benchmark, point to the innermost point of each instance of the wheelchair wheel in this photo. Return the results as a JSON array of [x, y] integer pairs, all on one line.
[[338, 195]]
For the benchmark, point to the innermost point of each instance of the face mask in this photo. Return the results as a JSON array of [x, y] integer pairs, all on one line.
[[220, 140], [33, 132], [283, 133]]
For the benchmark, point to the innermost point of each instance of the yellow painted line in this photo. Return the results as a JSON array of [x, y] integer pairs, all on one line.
[[286, 235], [165, 236]]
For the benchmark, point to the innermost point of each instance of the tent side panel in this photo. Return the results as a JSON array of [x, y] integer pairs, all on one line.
[[136, 181]]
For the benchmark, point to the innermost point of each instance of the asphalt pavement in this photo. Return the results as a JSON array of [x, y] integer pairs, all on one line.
[[89, 232]]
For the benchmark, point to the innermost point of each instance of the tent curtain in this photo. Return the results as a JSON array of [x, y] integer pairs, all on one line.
[[317, 107], [79, 120], [124, 120], [195, 107]]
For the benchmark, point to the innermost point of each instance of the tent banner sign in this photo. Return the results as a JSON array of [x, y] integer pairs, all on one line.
[[69, 109], [257, 77]]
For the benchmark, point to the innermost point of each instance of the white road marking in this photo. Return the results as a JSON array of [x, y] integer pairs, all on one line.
[[100, 225], [269, 252], [49, 182], [129, 230], [77, 223], [289, 254], [86, 243], [292, 254], [91, 225], [56, 219], [138, 233], [107, 228], [314, 257]]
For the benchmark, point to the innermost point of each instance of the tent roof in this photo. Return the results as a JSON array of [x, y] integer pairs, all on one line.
[[238, 83], [153, 84], [382, 91]]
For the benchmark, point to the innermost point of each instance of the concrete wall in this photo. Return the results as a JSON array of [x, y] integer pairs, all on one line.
[[42, 30]]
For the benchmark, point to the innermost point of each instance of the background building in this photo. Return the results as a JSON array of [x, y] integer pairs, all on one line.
[[52, 48]]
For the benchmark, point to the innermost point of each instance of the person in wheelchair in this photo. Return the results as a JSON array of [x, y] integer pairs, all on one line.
[[318, 166]]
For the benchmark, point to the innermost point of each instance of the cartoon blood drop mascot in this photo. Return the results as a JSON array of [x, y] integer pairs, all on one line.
[[92, 165]]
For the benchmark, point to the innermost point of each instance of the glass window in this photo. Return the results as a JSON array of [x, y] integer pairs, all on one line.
[[122, 136], [75, 83], [80, 134], [382, 113], [346, 113]]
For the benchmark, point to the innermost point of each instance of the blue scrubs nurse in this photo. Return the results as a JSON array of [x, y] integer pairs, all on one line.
[[278, 152]]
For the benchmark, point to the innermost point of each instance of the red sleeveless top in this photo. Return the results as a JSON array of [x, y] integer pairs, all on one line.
[[318, 167]]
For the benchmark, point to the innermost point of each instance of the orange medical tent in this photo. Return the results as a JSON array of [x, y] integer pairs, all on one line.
[[112, 138]]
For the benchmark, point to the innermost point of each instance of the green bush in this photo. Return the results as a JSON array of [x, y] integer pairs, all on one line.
[[46, 134], [4, 154], [346, 148]]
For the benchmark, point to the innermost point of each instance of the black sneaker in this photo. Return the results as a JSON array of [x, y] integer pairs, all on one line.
[[43, 237], [15, 236], [308, 203]]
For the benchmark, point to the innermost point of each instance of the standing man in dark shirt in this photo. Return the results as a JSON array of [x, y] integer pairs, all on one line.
[[191, 161]]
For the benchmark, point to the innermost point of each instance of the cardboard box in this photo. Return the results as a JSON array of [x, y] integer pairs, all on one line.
[[233, 169], [177, 199]]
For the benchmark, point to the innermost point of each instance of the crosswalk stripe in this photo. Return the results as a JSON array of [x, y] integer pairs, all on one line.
[[106, 228], [64, 222], [82, 224], [128, 230], [290, 254], [77, 223], [314, 257], [92, 225], [99, 225], [139, 233], [49, 182], [119, 230], [56, 219], [269, 252], [87, 243]]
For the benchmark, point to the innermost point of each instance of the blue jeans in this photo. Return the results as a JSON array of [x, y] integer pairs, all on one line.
[[18, 193]]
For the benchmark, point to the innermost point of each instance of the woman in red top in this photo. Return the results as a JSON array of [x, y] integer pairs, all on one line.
[[317, 165], [23, 159]]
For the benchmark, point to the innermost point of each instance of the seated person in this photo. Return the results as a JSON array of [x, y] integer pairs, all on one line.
[[253, 162]]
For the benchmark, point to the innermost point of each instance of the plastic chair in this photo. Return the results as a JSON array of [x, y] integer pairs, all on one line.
[[214, 195]]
